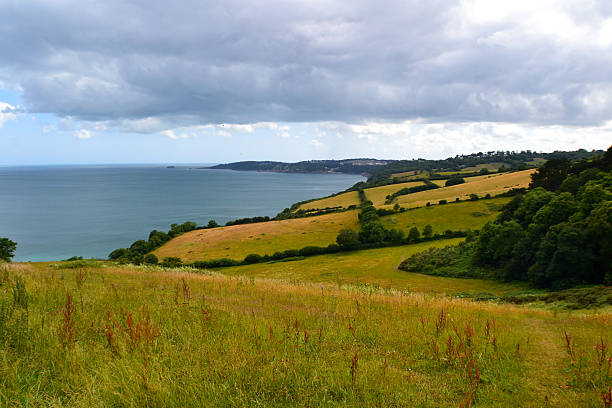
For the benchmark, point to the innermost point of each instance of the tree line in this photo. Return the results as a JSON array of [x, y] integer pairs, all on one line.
[[557, 235]]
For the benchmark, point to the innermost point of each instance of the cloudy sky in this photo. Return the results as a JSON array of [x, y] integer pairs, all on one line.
[[125, 81]]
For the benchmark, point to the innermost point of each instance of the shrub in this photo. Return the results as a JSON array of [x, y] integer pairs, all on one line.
[[290, 253], [442, 202], [311, 250], [150, 259], [453, 181], [473, 197], [347, 239], [253, 258], [172, 262]]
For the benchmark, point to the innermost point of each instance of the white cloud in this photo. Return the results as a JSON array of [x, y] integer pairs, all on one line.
[[7, 112], [317, 144], [82, 134]]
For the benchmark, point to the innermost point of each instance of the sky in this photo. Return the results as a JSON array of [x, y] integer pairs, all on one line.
[[195, 81]]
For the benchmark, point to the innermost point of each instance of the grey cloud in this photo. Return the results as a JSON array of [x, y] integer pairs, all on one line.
[[241, 62]]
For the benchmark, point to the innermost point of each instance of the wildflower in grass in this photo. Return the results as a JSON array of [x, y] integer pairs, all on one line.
[[67, 330]]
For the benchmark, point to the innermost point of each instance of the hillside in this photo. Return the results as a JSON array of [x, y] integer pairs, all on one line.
[[343, 200], [452, 216], [375, 267], [238, 241], [262, 238], [350, 166], [481, 185]]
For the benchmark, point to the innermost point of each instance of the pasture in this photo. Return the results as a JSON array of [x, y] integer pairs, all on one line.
[[452, 216], [378, 195], [376, 267], [343, 200], [238, 241], [489, 184]]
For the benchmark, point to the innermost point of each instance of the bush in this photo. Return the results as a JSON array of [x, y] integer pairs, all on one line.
[[347, 239], [473, 197], [453, 181], [253, 258], [118, 253], [442, 202], [311, 250], [150, 259], [290, 253], [172, 262]]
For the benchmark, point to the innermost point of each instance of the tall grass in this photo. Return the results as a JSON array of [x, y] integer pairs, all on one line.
[[154, 337]]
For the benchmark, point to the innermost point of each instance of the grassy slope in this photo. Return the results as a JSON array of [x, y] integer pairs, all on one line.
[[372, 267], [218, 341], [454, 216], [237, 241], [378, 194], [342, 200], [481, 185]]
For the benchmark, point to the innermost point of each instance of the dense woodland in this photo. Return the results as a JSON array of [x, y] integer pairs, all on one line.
[[557, 235]]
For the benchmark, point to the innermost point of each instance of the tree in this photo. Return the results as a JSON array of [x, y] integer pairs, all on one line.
[[428, 231], [347, 239], [413, 234], [396, 235], [212, 224], [150, 259], [373, 232], [140, 247], [118, 254], [551, 174], [7, 249]]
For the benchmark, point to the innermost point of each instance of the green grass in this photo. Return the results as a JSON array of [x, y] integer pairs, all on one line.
[[135, 336], [454, 216], [238, 241], [371, 267], [378, 195]]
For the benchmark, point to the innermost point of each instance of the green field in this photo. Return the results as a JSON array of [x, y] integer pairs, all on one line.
[[114, 336], [452, 216], [341, 200], [481, 185], [238, 241], [372, 267], [378, 194]]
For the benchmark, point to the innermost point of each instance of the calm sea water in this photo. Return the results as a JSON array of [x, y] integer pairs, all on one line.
[[55, 212]]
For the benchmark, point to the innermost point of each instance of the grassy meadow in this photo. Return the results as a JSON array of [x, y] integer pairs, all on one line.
[[343, 200], [144, 336], [373, 267], [238, 241], [454, 216], [378, 195], [481, 185]]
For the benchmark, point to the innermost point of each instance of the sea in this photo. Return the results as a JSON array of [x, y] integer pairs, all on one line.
[[57, 212]]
